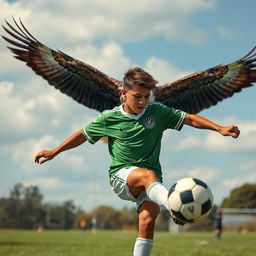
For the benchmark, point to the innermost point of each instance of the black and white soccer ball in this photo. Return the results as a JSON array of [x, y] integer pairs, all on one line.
[[190, 200]]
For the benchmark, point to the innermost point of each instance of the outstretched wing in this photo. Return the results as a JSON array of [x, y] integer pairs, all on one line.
[[82, 82], [204, 89]]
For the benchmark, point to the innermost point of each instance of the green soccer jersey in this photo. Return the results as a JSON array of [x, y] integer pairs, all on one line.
[[134, 140]]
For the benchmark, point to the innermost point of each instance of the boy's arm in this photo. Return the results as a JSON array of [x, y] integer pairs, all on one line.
[[203, 123], [73, 141]]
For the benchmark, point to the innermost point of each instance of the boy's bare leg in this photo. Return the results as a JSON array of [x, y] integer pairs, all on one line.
[[139, 180], [148, 213]]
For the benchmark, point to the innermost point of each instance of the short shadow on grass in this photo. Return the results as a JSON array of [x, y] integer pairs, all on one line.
[[16, 243]]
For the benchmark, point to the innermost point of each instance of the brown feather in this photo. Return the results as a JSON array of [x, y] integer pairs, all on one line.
[[82, 82], [96, 90], [204, 89]]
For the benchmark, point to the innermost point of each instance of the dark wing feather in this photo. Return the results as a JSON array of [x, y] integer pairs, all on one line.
[[82, 82], [204, 89]]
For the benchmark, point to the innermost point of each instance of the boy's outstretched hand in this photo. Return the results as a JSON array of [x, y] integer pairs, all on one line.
[[73, 141], [232, 131], [45, 154]]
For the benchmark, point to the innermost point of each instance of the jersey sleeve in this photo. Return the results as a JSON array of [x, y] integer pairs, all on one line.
[[95, 130], [177, 119], [174, 118]]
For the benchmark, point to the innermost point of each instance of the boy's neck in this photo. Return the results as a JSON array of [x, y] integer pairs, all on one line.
[[133, 116]]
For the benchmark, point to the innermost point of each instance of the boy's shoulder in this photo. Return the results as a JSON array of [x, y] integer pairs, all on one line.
[[115, 109], [156, 105], [111, 112]]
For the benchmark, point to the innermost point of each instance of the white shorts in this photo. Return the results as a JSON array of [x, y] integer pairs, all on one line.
[[121, 188]]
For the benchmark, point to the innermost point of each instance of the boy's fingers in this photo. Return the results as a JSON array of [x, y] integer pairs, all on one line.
[[46, 155], [42, 161], [236, 132], [37, 159], [38, 156]]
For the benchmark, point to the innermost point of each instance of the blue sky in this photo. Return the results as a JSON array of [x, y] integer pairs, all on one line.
[[167, 38]]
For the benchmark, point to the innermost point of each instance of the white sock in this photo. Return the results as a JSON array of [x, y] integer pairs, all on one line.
[[142, 247], [158, 194]]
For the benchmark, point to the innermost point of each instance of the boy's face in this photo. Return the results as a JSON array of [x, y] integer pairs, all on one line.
[[136, 99]]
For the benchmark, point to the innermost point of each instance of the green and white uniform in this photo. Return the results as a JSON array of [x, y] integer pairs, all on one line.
[[134, 140]]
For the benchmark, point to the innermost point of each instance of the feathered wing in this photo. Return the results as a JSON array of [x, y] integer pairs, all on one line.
[[82, 82], [204, 89]]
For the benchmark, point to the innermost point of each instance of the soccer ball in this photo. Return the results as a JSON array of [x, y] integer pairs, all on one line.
[[190, 200]]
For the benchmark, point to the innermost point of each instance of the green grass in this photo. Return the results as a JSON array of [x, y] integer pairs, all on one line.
[[78, 243]]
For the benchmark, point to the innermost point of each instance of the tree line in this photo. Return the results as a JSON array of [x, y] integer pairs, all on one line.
[[24, 208]]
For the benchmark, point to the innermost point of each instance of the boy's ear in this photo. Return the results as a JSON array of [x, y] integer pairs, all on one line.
[[123, 92]]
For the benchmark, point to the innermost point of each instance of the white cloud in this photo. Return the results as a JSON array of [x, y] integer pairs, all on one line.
[[188, 142], [16, 8], [163, 71], [74, 162], [92, 31], [205, 173], [10, 64], [118, 20], [248, 166], [109, 58], [245, 142], [213, 141], [22, 115], [225, 33], [91, 195], [16, 111], [24, 152], [48, 183], [239, 181]]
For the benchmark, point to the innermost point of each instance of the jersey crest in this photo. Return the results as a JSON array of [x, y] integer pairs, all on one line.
[[149, 122]]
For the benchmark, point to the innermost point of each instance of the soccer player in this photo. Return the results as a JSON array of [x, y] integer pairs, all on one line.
[[134, 130], [218, 220]]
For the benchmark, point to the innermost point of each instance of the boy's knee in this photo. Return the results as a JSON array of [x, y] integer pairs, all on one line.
[[148, 220], [148, 215], [139, 180], [149, 174], [148, 177], [147, 224]]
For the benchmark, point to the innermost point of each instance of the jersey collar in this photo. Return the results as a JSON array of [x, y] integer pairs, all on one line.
[[136, 117]]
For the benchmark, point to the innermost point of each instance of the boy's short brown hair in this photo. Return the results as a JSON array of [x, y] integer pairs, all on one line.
[[138, 76]]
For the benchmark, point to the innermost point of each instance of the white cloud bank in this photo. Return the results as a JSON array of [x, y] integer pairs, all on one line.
[[119, 20], [213, 141], [35, 115]]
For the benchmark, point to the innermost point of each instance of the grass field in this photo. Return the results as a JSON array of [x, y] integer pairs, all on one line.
[[78, 243]]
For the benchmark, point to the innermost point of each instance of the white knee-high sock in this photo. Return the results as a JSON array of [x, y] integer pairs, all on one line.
[[158, 194], [142, 247]]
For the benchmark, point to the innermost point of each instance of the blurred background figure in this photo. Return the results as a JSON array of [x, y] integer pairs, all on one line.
[[94, 224], [39, 229], [83, 224], [218, 224]]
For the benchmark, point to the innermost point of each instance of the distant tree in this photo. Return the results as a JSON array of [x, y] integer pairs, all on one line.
[[8, 213], [67, 215], [162, 222], [241, 197], [17, 192], [31, 209], [16, 196], [106, 217], [23, 209], [128, 216], [60, 216]]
